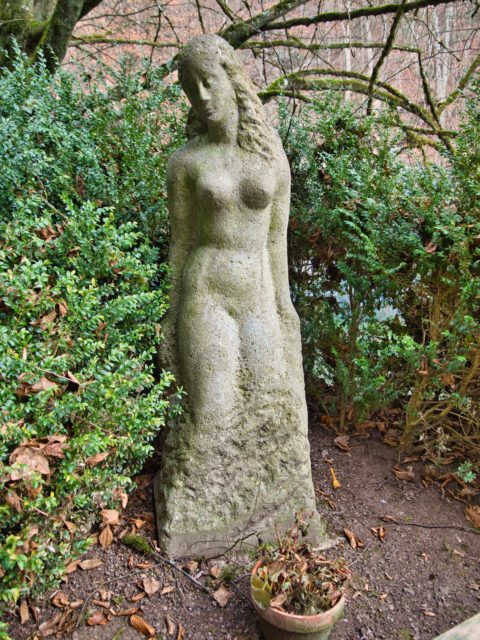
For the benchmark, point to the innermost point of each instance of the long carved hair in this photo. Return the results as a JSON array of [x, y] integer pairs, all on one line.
[[254, 133]]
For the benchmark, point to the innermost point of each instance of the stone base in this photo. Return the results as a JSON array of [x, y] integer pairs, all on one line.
[[468, 630], [231, 481], [237, 537]]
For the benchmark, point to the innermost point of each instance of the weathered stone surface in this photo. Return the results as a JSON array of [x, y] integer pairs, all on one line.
[[237, 463], [468, 630]]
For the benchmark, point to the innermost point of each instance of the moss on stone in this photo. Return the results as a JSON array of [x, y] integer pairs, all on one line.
[[138, 543]]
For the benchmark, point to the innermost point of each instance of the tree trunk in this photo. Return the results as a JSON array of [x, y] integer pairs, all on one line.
[[40, 26], [57, 33]]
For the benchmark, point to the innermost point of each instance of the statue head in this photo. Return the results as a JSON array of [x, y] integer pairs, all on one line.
[[254, 133]]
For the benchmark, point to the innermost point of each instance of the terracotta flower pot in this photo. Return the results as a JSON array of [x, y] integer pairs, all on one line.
[[279, 625]]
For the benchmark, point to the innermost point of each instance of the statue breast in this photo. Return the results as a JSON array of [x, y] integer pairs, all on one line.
[[220, 190]]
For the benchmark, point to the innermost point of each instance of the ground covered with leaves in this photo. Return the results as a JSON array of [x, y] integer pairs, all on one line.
[[406, 528]]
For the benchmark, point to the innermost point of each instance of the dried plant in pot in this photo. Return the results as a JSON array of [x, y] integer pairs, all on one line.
[[297, 591]]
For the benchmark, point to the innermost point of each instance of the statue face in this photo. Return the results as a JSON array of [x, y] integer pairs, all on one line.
[[209, 91]]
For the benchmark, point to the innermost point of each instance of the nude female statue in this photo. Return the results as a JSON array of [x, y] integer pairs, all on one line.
[[237, 463]]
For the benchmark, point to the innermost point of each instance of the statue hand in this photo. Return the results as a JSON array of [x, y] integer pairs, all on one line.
[[289, 316], [166, 349]]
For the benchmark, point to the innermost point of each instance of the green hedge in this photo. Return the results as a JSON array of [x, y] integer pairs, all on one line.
[[385, 270], [82, 290]]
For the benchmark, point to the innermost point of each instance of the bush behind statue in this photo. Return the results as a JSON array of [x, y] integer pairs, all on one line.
[[385, 271], [82, 289]]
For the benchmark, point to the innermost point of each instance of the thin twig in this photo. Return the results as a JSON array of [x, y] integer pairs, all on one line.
[[131, 574], [458, 527]]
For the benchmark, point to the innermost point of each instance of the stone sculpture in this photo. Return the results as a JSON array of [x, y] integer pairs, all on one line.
[[237, 462]]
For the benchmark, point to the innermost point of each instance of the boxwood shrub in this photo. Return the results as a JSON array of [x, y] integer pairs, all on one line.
[[83, 286]]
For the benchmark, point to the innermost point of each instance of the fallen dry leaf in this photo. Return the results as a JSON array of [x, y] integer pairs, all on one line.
[[353, 539], [473, 515], [167, 589], [379, 532], [46, 320], [73, 379], [278, 601], [62, 308], [215, 571], [44, 384], [32, 461], [13, 500], [92, 461], [101, 603], [335, 483], [404, 474], [191, 566], [35, 614], [181, 632], [98, 618], [148, 516], [151, 586], [90, 563], [60, 599], [76, 604], [49, 627], [144, 480], [23, 611], [143, 627], [110, 517], [138, 597], [342, 443], [331, 503], [392, 437], [467, 493], [137, 522], [127, 612], [369, 424], [70, 526], [222, 595], [170, 625], [71, 566], [106, 537], [122, 496], [144, 565]]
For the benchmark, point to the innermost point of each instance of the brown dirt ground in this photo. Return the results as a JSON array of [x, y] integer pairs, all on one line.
[[418, 582]]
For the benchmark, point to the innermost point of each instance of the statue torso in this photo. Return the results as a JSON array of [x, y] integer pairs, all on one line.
[[231, 196]]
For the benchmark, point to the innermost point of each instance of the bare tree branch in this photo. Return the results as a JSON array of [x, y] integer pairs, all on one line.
[[237, 33], [461, 85], [385, 51], [295, 43], [363, 12], [99, 38]]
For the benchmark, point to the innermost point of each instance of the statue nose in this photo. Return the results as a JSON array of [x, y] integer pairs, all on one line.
[[203, 93]]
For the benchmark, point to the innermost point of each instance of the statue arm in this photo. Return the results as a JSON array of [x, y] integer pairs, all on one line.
[[181, 224], [278, 245], [181, 242]]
